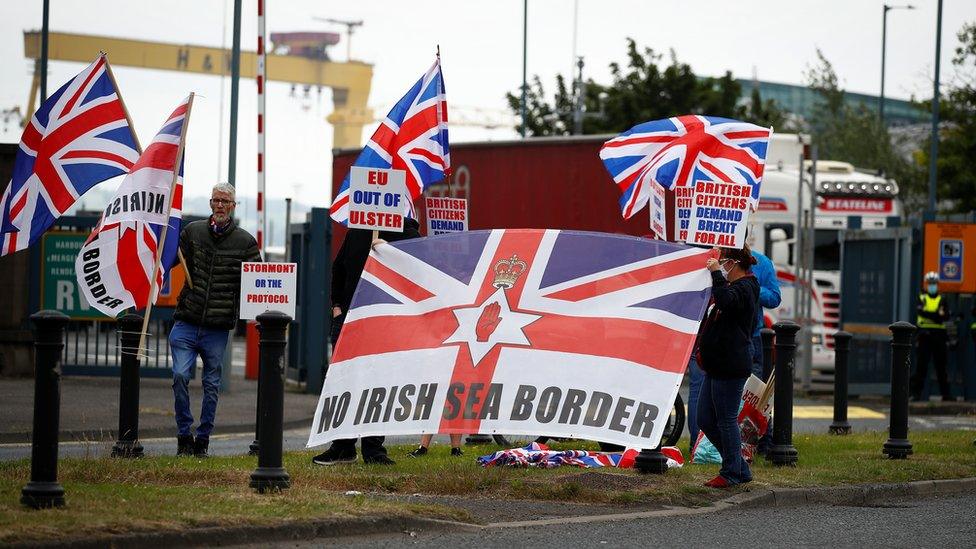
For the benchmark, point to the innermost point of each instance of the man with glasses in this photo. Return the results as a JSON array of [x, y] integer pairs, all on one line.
[[206, 310]]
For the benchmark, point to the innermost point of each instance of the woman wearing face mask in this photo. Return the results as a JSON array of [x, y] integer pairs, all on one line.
[[724, 353]]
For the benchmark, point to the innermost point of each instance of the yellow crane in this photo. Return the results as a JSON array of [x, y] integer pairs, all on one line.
[[350, 81]]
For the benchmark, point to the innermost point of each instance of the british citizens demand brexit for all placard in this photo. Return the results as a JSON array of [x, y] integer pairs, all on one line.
[[516, 331]]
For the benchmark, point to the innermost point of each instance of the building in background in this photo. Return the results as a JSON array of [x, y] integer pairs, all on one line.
[[801, 100]]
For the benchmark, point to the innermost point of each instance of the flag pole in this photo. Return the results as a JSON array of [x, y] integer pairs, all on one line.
[[162, 236], [135, 137], [186, 268], [111, 76]]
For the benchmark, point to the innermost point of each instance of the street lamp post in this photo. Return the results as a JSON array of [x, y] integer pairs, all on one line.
[[525, 56], [934, 151], [884, 32]]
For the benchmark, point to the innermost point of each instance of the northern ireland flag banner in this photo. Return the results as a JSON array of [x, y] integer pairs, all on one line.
[[115, 267], [531, 332]]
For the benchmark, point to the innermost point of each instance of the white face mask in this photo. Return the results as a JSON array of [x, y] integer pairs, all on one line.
[[725, 272]]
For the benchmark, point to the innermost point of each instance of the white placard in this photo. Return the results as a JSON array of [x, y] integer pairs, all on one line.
[[446, 215], [268, 287], [720, 214], [683, 196], [377, 199]]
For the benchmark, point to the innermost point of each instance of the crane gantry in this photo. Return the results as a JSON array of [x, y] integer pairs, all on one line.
[[350, 81]]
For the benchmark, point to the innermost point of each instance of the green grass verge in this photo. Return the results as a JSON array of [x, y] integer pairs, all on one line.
[[107, 496]]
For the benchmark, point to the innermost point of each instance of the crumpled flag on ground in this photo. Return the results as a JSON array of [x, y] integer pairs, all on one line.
[[539, 455]]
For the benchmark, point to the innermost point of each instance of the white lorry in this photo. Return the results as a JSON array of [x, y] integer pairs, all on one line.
[[846, 198]]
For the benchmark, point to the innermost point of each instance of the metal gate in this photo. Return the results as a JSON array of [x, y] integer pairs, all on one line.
[[91, 348], [875, 292], [91, 339], [308, 336]]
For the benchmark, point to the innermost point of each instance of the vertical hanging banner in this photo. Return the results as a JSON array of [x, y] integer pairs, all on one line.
[[720, 214], [659, 211], [446, 215], [376, 199]]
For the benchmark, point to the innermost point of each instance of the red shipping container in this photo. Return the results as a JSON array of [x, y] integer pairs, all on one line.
[[538, 183]]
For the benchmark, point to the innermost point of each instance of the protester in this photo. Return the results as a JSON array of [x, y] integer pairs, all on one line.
[[346, 271], [724, 353], [206, 310], [932, 341], [425, 443]]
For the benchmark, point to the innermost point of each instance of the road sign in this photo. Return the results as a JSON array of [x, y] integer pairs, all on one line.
[[950, 260], [949, 252], [59, 287]]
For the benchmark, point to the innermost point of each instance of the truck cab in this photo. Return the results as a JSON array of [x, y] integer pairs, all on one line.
[[847, 198]]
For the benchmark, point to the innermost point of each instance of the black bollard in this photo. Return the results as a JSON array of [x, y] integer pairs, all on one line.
[[474, 440], [767, 342], [842, 347], [651, 462], [44, 490], [783, 452], [270, 475], [128, 445], [897, 445]]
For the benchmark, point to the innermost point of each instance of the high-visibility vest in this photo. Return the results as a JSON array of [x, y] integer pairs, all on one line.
[[929, 305]]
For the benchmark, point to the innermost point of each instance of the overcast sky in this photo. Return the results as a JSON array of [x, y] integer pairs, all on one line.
[[481, 50]]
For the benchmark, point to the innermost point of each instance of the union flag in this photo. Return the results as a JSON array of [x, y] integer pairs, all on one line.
[[412, 138]]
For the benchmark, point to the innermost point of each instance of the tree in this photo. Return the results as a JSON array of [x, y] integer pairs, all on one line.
[[957, 132], [641, 90], [767, 113], [856, 135]]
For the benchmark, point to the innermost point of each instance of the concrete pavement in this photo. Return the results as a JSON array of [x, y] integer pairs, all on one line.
[[90, 408]]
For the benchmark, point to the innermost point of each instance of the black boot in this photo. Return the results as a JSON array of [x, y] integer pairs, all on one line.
[[200, 446], [184, 445]]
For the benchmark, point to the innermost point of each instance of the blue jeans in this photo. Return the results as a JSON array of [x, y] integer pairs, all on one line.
[[186, 341], [718, 408], [695, 377]]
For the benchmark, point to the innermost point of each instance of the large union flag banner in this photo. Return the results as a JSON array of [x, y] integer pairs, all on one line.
[[532, 332]]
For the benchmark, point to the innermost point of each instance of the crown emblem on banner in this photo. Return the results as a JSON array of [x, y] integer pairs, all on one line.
[[507, 272]]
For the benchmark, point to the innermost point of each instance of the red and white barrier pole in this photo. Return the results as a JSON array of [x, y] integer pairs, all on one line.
[[261, 78]]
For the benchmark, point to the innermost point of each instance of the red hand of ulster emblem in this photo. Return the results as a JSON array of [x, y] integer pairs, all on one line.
[[488, 321]]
